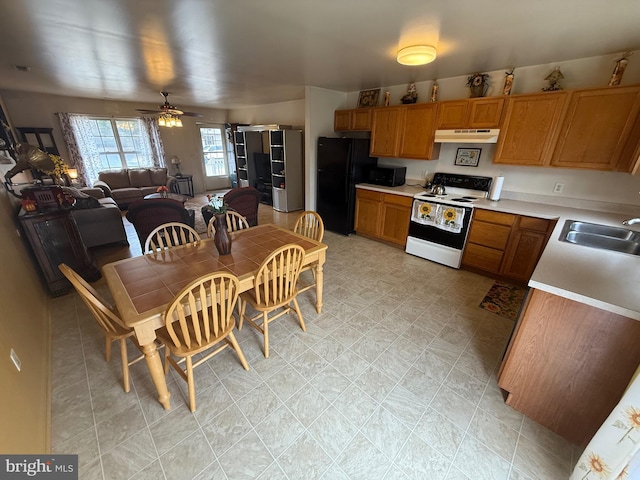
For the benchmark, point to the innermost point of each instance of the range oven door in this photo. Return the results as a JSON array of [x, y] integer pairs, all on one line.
[[435, 242]]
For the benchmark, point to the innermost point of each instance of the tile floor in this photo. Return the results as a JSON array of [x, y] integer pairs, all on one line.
[[396, 379]]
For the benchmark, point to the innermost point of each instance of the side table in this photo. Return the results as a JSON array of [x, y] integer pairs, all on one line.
[[184, 185]]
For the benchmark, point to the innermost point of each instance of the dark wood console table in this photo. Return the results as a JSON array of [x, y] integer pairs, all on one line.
[[54, 238]]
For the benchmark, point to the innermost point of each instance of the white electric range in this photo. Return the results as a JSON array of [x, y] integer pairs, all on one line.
[[440, 223]]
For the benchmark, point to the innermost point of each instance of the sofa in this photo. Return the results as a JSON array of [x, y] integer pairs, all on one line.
[[98, 217], [128, 185]]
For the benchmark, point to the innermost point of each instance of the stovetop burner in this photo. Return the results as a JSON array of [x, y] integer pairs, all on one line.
[[462, 200]]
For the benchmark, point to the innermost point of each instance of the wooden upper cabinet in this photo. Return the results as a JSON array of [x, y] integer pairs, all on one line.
[[470, 113], [417, 131], [485, 112], [530, 128], [384, 131], [361, 119], [596, 128], [452, 114], [356, 119]]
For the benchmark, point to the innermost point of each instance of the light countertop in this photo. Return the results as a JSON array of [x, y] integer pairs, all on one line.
[[600, 278]]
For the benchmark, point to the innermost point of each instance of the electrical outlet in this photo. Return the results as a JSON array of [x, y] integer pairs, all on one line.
[[14, 358], [558, 187]]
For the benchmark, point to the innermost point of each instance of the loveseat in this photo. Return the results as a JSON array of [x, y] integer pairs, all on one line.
[[128, 185]]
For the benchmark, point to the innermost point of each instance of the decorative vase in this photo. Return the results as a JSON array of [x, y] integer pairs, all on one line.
[[222, 239]]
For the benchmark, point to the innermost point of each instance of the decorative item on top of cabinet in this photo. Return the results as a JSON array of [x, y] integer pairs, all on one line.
[[368, 98], [530, 128], [618, 70], [553, 78], [479, 84], [596, 128], [434, 91], [387, 98], [508, 82], [411, 96]]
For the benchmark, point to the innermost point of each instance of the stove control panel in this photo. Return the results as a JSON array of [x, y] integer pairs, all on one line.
[[470, 182]]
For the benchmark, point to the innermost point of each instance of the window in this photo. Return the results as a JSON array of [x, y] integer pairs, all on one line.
[[120, 143], [213, 149]]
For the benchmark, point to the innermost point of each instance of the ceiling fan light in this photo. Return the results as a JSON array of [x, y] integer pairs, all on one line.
[[178, 122], [417, 55], [161, 121]]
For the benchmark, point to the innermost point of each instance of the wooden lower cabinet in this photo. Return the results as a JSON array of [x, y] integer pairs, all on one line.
[[487, 240], [506, 245], [568, 364], [383, 216], [368, 209]]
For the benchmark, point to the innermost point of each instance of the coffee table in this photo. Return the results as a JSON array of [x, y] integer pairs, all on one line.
[[172, 196]]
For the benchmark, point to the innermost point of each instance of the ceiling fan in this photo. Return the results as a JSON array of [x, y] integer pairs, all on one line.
[[169, 114]]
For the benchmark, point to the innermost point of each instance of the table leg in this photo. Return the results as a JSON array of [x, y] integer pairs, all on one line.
[[157, 373], [319, 280]]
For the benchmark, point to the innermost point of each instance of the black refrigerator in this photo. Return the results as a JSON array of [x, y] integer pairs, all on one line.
[[342, 162]]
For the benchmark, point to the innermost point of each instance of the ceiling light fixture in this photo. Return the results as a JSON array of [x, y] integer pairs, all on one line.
[[417, 55]]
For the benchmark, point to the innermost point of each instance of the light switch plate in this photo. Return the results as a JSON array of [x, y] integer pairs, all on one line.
[[14, 358]]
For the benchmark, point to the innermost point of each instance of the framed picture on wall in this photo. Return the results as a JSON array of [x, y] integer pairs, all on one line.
[[468, 157]]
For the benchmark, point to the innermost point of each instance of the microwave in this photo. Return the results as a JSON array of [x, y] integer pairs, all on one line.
[[387, 176]]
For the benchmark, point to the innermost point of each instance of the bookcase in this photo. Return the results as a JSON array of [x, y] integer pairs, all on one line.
[[287, 172]]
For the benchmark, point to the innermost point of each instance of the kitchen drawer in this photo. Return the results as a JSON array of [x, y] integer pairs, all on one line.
[[489, 234], [532, 223], [484, 258], [398, 199], [493, 217], [370, 195]]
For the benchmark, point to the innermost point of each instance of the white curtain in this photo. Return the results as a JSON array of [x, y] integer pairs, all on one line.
[[614, 451], [155, 140]]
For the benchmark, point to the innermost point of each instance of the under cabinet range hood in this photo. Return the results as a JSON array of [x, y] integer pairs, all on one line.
[[483, 135]]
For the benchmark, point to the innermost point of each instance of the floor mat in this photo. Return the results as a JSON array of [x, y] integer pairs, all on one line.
[[504, 299]]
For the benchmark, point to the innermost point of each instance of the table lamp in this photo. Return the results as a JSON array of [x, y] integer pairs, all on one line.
[[176, 163]]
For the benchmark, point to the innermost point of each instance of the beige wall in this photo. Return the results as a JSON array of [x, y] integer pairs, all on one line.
[[24, 326], [38, 110], [284, 113]]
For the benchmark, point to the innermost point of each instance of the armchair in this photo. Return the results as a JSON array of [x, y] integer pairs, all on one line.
[[146, 215], [244, 200]]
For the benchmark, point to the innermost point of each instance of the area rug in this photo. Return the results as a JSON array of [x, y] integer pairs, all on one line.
[[200, 226], [504, 299]]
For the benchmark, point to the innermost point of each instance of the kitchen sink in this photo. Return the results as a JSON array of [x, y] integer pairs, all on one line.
[[604, 237]]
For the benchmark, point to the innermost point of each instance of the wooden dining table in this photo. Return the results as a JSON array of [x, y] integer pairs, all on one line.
[[142, 287]]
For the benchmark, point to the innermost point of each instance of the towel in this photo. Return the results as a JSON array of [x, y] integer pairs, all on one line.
[[424, 212], [449, 218]]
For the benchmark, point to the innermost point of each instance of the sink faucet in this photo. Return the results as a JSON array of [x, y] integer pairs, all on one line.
[[631, 221]]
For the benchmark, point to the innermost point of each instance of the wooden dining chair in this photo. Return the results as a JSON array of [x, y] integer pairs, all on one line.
[[198, 319], [170, 235], [108, 319], [235, 221], [275, 289], [309, 224]]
